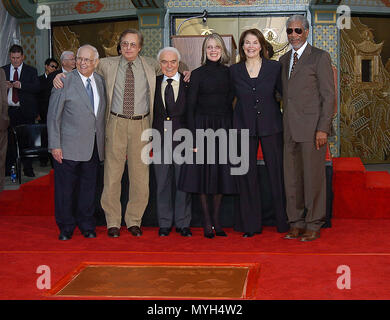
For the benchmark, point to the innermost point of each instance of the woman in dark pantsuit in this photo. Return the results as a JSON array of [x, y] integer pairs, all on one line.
[[256, 79]]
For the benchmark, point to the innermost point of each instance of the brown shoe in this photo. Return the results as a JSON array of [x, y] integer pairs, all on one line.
[[294, 233], [113, 232], [310, 235], [135, 231]]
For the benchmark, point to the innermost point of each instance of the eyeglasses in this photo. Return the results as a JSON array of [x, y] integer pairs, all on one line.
[[297, 30], [86, 60], [125, 44], [53, 66], [70, 59]]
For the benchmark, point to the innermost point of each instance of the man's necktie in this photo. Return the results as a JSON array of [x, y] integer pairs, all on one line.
[[15, 97], [169, 97], [90, 93], [128, 96], [294, 62]]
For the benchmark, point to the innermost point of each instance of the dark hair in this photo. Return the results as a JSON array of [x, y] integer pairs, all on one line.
[[260, 37], [50, 60], [133, 31], [270, 49], [16, 48]]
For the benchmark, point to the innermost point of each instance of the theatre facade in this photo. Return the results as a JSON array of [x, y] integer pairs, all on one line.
[[354, 32]]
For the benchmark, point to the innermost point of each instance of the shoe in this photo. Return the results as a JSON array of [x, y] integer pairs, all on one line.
[[294, 233], [135, 231], [89, 234], [29, 173], [178, 230], [43, 164], [310, 235], [186, 232], [220, 233], [113, 232], [163, 232], [64, 236]]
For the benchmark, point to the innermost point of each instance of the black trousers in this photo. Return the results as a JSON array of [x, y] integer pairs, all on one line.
[[248, 217], [75, 193]]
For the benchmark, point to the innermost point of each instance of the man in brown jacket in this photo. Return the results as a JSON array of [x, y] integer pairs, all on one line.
[[4, 121], [308, 101]]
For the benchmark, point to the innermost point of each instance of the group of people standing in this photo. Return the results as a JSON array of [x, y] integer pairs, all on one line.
[[102, 115]]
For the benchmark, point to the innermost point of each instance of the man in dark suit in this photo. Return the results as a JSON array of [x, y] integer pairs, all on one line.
[[76, 139], [308, 100], [43, 97], [23, 85], [169, 110], [51, 65]]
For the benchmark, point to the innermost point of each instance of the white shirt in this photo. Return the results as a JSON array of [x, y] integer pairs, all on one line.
[[299, 52], [175, 85], [96, 98], [11, 77]]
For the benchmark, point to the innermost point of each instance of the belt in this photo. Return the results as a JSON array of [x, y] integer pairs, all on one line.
[[131, 118]]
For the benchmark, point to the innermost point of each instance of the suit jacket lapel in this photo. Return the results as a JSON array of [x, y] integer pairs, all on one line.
[[82, 91], [301, 60], [100, 89]]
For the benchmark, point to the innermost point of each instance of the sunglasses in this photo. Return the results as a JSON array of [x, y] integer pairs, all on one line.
[[53, 66], [297, 30]]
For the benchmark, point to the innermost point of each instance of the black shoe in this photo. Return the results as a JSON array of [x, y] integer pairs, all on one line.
[[164, 232], [186, 232], [113, 232], [64, 236], [209, 235], [89, 234], [135, 231], [178, 230], [29, 173]]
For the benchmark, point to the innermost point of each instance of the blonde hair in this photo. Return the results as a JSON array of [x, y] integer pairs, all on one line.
[[225, 57]]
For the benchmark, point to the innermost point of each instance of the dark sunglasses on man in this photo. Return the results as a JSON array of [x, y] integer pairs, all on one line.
[[297, 30]]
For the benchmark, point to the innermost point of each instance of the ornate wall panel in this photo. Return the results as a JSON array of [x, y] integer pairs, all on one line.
[[365, 95]]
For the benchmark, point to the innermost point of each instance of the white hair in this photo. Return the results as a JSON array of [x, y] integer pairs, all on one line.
[[64, 54], [89, 47], [171, 49], [300, 18]]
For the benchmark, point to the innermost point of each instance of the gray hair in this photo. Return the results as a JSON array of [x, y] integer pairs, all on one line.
[[171, 49], [89, 47], [64, 54], [300, 18]]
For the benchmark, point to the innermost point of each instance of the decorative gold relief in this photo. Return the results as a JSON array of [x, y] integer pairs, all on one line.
[[365, 99]]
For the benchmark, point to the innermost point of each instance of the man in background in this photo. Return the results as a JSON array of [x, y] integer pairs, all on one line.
[[23, 86]]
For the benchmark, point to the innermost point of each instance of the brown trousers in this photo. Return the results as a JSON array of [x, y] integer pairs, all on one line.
[[305, 184], [123, 139]]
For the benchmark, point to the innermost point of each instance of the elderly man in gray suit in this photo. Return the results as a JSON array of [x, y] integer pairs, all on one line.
[[76, 139], [308, 101]]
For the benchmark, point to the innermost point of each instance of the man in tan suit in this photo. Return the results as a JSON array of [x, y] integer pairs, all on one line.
[[308, 100], [4, 122], [130, 82]]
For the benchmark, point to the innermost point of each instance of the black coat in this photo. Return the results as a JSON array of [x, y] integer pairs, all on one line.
[[178, 114], [257, 108], [28, 92]]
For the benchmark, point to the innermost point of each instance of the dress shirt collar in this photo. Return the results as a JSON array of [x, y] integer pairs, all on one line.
[[300, 50], [84, 78], [176, 77]]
